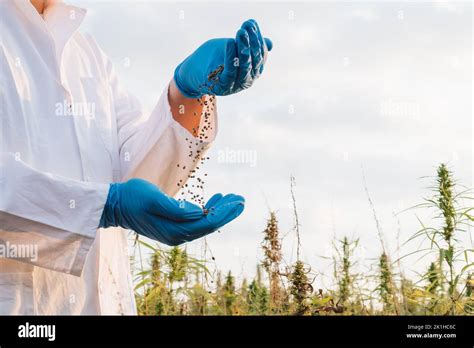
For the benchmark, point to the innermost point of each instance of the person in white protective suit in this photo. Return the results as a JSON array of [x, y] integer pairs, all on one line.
[[81, 165]]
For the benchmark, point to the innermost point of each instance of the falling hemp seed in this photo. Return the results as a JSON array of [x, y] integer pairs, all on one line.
[[196, 191]]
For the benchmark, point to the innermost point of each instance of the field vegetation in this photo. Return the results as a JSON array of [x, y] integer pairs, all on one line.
[[172, 282]]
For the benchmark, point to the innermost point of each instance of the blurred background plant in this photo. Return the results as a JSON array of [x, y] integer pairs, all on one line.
[[175, 283]]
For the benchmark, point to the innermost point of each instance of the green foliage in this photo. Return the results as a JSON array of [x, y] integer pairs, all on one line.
[[271, 247], [229, 294], [385, 286], [175, 283], [346, 293], [257, 296], [300, 288], [453, 219]]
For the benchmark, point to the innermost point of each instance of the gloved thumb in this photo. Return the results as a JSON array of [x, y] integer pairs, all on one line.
[[269, 44]]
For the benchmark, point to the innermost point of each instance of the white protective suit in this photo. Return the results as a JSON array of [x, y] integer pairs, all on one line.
[[68, 129]]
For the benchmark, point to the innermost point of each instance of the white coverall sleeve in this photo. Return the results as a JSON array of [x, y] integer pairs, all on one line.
[[153, 149], [55, 217], [151, 146]]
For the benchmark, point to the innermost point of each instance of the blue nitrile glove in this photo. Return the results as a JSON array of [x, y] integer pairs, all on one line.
[[224, 66], [141, 206]]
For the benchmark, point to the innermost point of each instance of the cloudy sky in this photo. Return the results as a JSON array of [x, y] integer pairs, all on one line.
[[381, 88]]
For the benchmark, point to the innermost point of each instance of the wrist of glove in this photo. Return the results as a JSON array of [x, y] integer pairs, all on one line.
[[141, 206], [224, 66]]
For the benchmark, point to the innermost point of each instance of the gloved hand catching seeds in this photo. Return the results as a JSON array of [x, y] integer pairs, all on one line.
[[142, 207]]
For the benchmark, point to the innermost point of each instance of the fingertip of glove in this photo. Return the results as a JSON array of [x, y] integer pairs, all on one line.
[[242, 35], [231, 198], [234, 203], [213, 200], [249, 23], [269, 44], [229, 212], [239, 208], [240, 199]]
